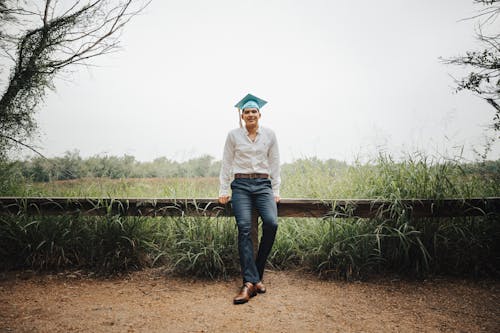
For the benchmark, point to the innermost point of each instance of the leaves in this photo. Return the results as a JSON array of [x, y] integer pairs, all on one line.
[[62, 35], [484, 78]]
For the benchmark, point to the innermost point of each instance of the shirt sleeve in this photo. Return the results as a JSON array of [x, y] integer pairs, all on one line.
[[274, 165], [226, 166]]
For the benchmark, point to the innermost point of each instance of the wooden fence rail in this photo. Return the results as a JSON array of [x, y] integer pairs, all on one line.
[[364, 208]]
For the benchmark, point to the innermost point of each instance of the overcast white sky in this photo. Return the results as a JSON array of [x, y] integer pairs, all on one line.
[[342, 78]]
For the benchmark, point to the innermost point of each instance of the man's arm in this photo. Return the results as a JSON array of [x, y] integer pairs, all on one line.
[[225, 170], [274, 167]]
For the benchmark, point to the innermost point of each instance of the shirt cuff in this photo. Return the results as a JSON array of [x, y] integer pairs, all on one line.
[[223, 193]]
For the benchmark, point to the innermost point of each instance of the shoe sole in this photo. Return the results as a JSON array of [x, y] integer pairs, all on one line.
[[240, 301]]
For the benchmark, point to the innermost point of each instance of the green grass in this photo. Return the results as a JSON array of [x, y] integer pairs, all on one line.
[[104, 244], [415, 177], [331, 247], [127, 187]]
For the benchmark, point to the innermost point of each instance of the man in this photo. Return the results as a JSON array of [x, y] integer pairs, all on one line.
[[251, 156]]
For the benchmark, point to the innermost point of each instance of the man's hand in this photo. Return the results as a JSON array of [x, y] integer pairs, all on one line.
[[224, 199], [277, 198]]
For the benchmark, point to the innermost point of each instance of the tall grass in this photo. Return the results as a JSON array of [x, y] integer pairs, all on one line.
[[127, 187], [200, 247], [418, 176], [418, 247], [333, 247], [106, 245]]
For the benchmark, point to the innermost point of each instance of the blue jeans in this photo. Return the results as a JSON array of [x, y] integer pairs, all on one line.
[[247, 194]]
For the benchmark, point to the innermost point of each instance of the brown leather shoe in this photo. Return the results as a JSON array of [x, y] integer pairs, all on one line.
[[260, 287], [247, 291]]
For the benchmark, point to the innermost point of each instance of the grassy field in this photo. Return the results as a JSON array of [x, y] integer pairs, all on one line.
[[128, 187], [336, 248]]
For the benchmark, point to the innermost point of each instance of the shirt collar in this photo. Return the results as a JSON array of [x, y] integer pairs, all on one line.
[[246, 131]]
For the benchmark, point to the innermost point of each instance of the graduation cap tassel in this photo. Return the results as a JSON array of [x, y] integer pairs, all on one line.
[[239, 117]]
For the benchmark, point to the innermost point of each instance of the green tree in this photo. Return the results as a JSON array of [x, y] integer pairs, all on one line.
[[484, 78], [41, 39]]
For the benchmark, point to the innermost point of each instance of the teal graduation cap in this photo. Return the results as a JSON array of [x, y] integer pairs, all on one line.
[[250, 101]]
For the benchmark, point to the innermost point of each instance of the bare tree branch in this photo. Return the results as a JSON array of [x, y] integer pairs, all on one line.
[[23, 144], [71, 33], [483, 79]]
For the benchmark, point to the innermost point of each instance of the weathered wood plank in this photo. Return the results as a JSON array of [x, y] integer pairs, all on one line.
[[364, 208]]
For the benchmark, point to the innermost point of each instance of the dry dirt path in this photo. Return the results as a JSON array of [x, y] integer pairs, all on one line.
[[149, 301]]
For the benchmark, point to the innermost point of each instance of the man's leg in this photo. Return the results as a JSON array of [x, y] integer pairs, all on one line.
[[266, 205], [242, 208]]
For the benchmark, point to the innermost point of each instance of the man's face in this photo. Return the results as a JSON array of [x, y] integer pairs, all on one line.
[[251, 116]]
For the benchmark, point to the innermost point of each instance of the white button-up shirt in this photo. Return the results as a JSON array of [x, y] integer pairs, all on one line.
[[242, 155]]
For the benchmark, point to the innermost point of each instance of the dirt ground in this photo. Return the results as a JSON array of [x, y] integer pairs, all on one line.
[[151, 301]]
